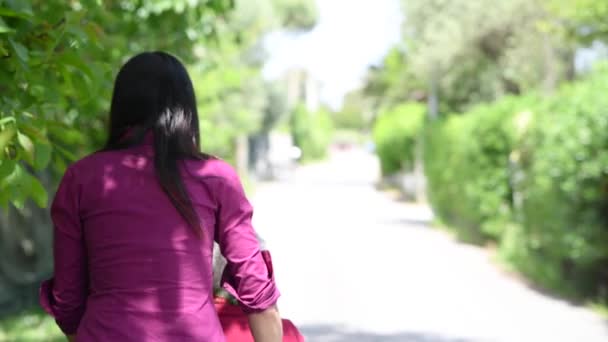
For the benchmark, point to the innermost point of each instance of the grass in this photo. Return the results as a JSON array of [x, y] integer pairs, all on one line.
[[30, 325]]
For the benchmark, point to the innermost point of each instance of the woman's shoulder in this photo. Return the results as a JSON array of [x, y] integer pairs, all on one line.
[[213, 167], [96, 160]]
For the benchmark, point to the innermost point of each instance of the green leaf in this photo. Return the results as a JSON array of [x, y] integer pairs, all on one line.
[[19, 201], [24, 185], [6, 120], [73, 59], [4, 199], [26, 143], [34, 132], [6, 168], [20, 50], [65, 134], [5, 138], [74, 19], [18, 183], [66, 154], [5, 28], [38, 192], [42, 157], [5, 12]]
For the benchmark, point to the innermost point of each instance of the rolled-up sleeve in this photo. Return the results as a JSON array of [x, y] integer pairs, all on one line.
[[64, 296], [248, 275]]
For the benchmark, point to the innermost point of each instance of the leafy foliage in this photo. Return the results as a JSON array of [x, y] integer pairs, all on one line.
[[312, 132], [473, 51], [396, 134], [530, 173], [57, 61], [355, 112], [56, 75], [579, 20], [469, 157], [297, 14], [31, 325], [444, 143], [565, 190], [393, 82]]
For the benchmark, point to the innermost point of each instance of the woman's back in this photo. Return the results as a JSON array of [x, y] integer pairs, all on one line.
[[150, 276], [143, 257]]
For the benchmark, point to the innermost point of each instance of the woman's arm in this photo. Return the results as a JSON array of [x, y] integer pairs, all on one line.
[[266, 326], [65, 297], [248, 275]]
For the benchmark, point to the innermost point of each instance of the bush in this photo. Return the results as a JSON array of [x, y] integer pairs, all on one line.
[[350, 119], [530, 173], [312, 132], [396, 133], [564, 212], [444, 142], [469, 155]]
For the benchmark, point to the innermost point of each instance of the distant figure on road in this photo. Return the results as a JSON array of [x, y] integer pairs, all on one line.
[[135, 223]]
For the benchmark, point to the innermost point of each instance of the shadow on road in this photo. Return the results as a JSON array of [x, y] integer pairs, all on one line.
[[335, 333]]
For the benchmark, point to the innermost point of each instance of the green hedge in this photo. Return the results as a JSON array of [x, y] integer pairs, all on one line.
[[312, 132], [564, 213], [444, 143], [395, 133], [532, 174], [467, 158]]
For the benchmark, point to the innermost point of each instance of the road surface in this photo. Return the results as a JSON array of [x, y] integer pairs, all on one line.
[[355, 265]]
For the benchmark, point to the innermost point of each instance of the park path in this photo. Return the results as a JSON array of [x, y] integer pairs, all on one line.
[[355, 265]]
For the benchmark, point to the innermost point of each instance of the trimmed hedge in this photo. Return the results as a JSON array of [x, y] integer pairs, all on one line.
[[395, 133], [444, 143], [564, 212], [532, 174], [312, 132], [467, 163]]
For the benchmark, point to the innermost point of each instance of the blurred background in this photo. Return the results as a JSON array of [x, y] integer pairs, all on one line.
[[422, 170]]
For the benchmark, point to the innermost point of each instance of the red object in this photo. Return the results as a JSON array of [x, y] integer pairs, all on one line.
[[236, 327]]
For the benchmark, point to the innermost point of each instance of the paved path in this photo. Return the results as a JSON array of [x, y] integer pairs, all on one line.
[[354, 265]]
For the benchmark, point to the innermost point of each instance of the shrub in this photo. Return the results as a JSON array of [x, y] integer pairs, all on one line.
[[350, 119], [469, 155], [312, 132], [396, 133], [443, 162], [532, 174], [565, 191]]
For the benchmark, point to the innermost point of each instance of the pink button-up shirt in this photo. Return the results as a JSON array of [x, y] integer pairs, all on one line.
[[127, 265]]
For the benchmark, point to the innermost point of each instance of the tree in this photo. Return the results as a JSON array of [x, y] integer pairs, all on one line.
[[57, 61], [481, 50], [355, 113], [393, 82], [56, 72], [581, 20]]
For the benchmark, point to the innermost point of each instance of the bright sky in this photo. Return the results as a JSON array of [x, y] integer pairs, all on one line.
[[350, 36]]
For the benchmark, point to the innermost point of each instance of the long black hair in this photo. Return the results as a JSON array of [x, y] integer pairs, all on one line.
[[153, 93]]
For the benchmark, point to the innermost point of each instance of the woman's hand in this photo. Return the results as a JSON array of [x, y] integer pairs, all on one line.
[[266, 326]]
